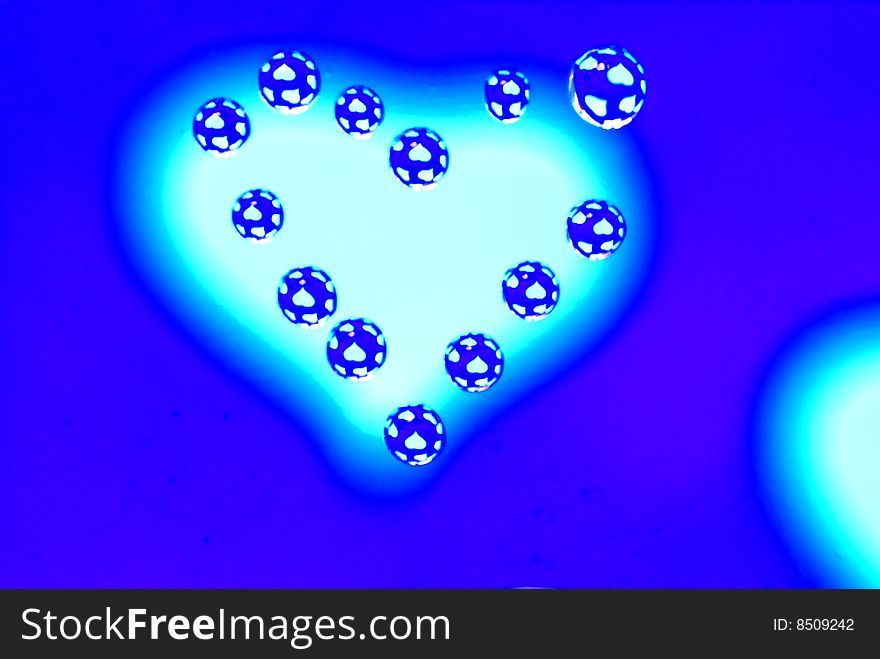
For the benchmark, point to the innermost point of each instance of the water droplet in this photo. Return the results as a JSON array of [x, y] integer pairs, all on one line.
[[419, 158], [365, 352], [536, 292], [480, 364], [359, 111], [415, 442], [507, 95], [289, 82]]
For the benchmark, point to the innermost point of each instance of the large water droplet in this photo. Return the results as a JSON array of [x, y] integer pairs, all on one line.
[[354, 353]]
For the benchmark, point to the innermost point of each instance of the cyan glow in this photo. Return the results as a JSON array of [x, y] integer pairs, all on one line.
[[425, 266], [821, 449]]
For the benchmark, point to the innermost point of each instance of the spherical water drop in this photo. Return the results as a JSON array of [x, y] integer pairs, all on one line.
[[356, 348], [221, 127], [359, 111], [290, 81], [596, 229], [414, 434], [307, 296], [419, 158]]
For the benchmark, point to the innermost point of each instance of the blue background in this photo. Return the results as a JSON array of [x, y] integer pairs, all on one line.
[[128, 457]]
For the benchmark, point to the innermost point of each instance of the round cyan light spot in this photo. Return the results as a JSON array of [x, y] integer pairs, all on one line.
[[530, 290], [419, 158], [221, 126], [596, 229], [307, 296], [359, 111], [257, 215], [356, 349], [507, 95], [818, 451], [414, 434], [607, 87], [290, 81], [474, 362]]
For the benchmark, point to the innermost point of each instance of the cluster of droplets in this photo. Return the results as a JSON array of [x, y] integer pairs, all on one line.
[[606, 88]]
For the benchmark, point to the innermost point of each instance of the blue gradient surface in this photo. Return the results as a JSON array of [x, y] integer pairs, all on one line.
[[131, 456]]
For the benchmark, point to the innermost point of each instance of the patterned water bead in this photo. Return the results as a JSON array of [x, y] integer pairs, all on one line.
[[607, 87], [596, 229], [507, 95], [221, 127], [474, 362], [307, 296], [359, 111], [290, 81], [531, 290], [257, 215], [419, 158], [356, 349], [415, 434]]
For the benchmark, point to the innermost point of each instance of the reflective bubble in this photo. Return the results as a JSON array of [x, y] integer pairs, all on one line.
[[531, 290], [359, 111], [474, 362], [221, 126], [507, 95], [307, 296], [356, 348], [257, 215], [290, 81], [596, 229], [415, 434], [607, 87], [419, 158]]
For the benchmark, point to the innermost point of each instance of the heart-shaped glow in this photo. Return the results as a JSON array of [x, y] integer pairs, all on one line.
[[284, 72], [419, 154], [426, 266], [214, 121], [535, 291], [819, 448]]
